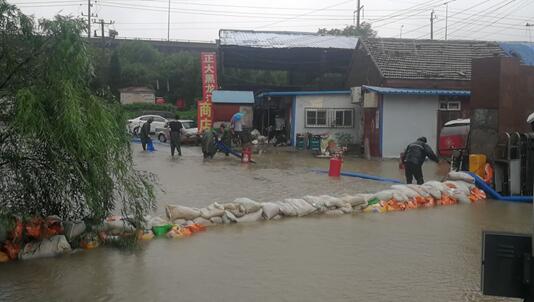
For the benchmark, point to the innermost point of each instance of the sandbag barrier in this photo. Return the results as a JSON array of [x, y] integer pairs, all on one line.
[[458, 188], [182, 221]]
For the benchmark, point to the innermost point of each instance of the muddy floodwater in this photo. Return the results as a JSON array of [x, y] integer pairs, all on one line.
[[420, 255]]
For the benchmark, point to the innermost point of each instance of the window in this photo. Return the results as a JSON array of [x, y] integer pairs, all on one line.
[[450, 106], [343, 118], [315, 118], [329, 118]]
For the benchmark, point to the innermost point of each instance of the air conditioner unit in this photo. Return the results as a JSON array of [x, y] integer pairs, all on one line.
[[370, 100], [356, 95]]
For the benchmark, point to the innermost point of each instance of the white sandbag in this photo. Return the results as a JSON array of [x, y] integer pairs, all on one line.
[[461, 176], [179, 221], [460, 196], [118, 226], [384, 195], [332, 202], [270, 209], [202, 220], [354, 200], [157, 221], [461, 186], [419, 190], [400, 196], [433, 191], [302, 207], [180, 212], [336, 212], [211, 211], [315, 201], [228, 217], [409, 192], [287, 209], [52, 247], [216, 220], [73, 229], [251, 217], [277, 217], [347, 208], [440, 186], [249, 205]]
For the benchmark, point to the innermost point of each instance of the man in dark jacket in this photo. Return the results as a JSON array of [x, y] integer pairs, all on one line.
[[225, 137], [414, 157], [175, 130], [145, 133]]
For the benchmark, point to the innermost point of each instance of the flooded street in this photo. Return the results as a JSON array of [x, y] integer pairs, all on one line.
[[420, 255]]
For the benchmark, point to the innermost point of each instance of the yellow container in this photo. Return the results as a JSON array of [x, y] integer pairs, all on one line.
[[477, 162]]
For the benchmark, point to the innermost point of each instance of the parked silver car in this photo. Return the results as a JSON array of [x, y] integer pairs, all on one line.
[[189, 135]]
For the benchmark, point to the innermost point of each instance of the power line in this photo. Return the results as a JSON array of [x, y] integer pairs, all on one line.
[[473, 17], [307, 13], [494, 10], [525, 3]]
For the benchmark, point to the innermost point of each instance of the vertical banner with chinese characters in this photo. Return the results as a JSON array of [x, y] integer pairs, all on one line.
[[208, 66]]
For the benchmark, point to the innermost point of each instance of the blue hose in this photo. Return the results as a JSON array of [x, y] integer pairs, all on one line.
[[479, 182], [364, 176], [226, 149]]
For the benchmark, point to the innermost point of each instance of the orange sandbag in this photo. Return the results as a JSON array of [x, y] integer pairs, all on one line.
[[185, 232], [12, 249], [430, 203], [16, 233], [420, 200], [4, 257], [33, 228], [412, 204]]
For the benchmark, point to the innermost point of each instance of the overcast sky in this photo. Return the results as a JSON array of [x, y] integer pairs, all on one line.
[[201, 19]]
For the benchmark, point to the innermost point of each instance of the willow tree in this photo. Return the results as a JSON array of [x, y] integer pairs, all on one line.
[[63, 150]]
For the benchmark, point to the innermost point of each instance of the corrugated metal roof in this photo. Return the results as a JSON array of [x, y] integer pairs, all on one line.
[[282, 39], [413, 91], [428, 59], [232, 97], [523, 50]]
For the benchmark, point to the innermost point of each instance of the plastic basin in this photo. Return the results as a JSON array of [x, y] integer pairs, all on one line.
[[161, 230]]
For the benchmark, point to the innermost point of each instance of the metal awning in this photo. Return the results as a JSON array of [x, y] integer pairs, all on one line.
[[416, 91]]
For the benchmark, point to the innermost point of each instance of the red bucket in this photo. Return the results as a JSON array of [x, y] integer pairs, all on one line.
[[335, 167], [246, 156]]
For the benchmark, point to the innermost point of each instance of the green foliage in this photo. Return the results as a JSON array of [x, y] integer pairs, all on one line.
[[365, 31], [63, 150], [137, 63]]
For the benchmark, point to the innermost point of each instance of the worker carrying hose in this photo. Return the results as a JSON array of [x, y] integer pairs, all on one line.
[[414, 157]]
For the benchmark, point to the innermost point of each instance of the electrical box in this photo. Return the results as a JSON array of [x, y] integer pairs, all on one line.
[[356, 95], [370, 100]]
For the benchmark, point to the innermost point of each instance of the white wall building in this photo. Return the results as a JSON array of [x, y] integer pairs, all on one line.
[[319, 112], [396, 117], [137, 95]]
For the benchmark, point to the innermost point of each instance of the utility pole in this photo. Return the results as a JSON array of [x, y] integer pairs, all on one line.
[[402, 27], [89, 16], [358, 22], [169, 22], [529, 25], [432, 25], [102, 24]]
